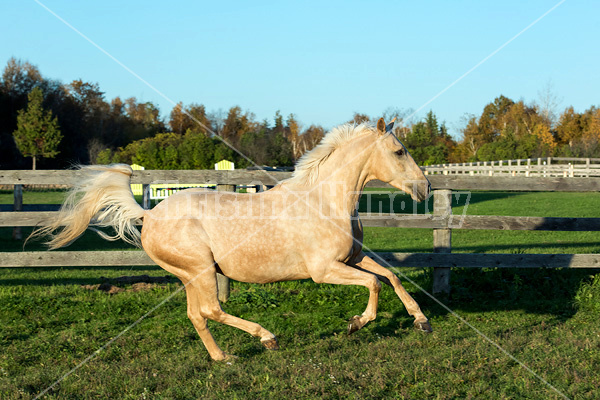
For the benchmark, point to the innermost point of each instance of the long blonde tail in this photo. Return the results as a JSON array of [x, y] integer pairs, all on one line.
[[103, 197]]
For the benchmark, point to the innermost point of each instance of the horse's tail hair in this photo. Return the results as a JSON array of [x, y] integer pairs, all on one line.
[[102, 197]]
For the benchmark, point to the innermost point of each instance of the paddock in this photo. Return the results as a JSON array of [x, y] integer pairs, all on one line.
[[533, 306]]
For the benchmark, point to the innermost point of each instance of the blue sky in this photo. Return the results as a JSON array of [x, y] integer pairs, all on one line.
[[319, 60]]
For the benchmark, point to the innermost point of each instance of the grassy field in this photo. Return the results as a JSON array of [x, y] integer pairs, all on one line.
[[547, 319]]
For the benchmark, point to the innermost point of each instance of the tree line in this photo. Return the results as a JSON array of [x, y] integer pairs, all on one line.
[[57, 125], [87, 122], [511, 130]]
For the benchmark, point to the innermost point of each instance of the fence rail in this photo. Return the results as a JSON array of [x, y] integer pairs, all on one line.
[[418, 260], [442, 222], [565, 167], [266, 178], [425, 221]]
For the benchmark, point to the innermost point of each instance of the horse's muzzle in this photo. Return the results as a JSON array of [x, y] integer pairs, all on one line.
[[421, 190]]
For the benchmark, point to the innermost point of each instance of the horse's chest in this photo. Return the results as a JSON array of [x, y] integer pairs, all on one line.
[[335, 241]]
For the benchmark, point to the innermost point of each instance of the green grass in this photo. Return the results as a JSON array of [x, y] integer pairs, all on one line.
[[547, 319], [34, 197]]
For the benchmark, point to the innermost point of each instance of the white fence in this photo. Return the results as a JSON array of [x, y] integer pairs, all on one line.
[[547, 167]]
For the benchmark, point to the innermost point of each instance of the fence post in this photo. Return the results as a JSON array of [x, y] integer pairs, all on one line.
[[18, 206], [442, 239], [146, 196], [587, 167], [223, 285]]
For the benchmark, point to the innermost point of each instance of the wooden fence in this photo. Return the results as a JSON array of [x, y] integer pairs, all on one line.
[[566, 167], [442, 222]]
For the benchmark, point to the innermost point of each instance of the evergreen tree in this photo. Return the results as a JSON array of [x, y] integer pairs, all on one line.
[[429, 142], [37, 134], [279, 127]]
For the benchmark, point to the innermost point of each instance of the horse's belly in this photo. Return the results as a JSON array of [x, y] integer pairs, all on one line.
[[261, 267]]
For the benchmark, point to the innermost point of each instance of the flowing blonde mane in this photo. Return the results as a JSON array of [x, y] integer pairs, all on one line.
[[307, 167]]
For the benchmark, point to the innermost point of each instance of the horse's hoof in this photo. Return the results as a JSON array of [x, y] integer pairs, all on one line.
[[228, 358], [423, 326], [353, 324], [270, 344]]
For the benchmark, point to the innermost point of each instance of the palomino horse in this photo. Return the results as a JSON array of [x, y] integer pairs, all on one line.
[[305, 227]]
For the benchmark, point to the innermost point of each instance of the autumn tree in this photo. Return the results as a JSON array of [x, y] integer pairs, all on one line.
[[569, 127], [309, 139], [237, 124], [506, 130], [177, 122], [145, 115], [579, 133], [471, 141], [592, 125], [359, 118], [191, 117], [38, 133], [20, 77], [88, 96], [292, 134], [493, 119]]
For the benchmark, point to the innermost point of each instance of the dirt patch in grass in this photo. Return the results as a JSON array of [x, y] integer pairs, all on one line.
[[136, 283]]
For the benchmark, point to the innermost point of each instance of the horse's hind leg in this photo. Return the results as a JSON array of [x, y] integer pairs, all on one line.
[[203, 304], [366, 263], [193, 302], [200, 324]]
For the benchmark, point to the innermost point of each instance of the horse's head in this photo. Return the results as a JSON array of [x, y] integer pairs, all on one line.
[[391, 163]]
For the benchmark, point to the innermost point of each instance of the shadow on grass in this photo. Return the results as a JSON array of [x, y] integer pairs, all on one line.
[[29, 274], [486, 248], [532, 290]]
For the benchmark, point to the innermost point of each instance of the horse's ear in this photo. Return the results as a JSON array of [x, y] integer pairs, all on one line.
[[390, 126], [381, 125]]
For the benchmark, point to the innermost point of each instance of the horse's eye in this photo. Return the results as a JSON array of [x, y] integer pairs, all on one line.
[[400, 153]]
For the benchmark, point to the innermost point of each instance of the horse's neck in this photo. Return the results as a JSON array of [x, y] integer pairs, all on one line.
[[343, 176]]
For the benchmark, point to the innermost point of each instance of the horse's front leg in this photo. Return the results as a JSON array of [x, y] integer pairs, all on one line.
[[342, 274], [365, 262]]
